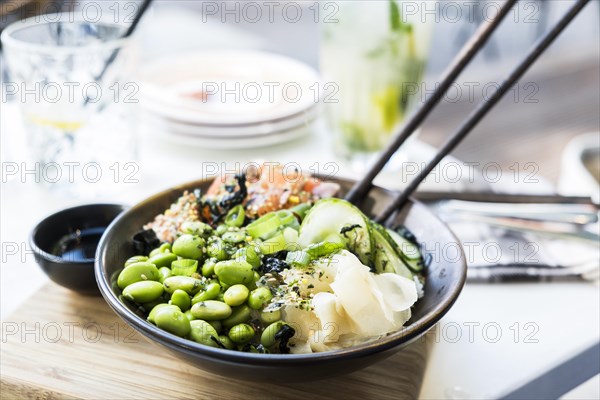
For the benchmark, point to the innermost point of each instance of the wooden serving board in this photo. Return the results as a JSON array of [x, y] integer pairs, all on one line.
[[62, 345]]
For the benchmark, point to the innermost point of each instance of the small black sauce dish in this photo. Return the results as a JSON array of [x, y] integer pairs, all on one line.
[[64, 244]]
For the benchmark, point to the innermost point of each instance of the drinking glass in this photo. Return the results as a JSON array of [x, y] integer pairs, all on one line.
[[372, 59], [72, 82]]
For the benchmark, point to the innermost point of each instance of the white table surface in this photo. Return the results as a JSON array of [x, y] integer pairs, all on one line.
[[561, 318]]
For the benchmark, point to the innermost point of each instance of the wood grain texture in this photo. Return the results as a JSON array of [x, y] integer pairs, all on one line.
[[62, 345]]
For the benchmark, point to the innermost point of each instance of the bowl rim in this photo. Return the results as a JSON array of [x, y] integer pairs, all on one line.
[[403, 336], [37, 250]]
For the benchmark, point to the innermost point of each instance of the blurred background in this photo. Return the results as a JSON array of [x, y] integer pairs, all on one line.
[[543, 138]]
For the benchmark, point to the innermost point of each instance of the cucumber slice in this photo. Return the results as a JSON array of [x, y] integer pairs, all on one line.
[[386, 257], [407, 250], [339, 217]]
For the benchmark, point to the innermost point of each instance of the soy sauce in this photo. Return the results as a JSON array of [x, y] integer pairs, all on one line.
[[80, 245]]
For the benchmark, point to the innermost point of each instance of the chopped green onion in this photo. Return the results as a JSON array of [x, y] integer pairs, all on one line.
[[291, 239], [287, 217], [236, 216], [273, 244], [264, 226], [184, 267], [299, 258], [300, 210]]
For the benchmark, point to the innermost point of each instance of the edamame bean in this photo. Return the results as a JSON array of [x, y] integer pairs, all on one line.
[[163, 273], [268, 317], [267, 338], [241, 334], [154, 252], [236, 295], [216, 249], [225, 341], [142, 271], [143, 291], [189, 246], [184, 267], [208, 268], [211, 310], [221, 229], [163, 259], [238, 315], [186, 283], [181, 299], [173, 321], [157, 307], [234, 237], [233, 272], [217, 325], [147, 307], [202, 332], [197, 228], [188, 314], [259, 298], [249, 255], [135, 259], [210, 292]]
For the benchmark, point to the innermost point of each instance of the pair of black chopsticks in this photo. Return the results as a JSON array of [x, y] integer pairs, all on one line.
[[473, 46]]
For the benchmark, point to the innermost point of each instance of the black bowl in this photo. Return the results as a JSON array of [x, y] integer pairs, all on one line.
[[444, 281], [75, 273]]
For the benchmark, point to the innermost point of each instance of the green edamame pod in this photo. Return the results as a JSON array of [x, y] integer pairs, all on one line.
[[186, 283], [163, 273], [181, 299], [157, 307], [238, 315], [135, 259], [202, 332], [259, 298], [143, 291], [189, 246], [163, 259], [233, 272], [208, 268], [225, 341], [267, 338], [236, 295], [241, 334], [173, 321], [268, 317], [211, 310], [210, 292], [142, 271]]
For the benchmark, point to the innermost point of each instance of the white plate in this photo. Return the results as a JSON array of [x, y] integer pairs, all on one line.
[[224, 87], [229, 143], [234, 131]]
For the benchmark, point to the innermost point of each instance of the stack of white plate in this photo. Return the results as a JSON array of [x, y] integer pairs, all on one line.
[[230, 99]]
